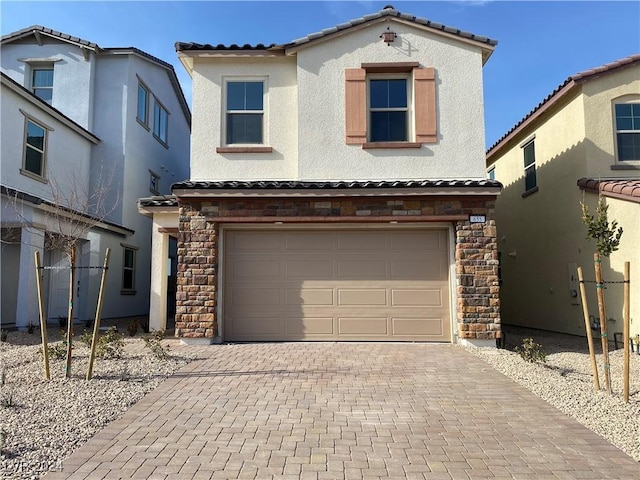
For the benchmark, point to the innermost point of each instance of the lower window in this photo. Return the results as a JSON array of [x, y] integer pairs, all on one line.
[[128, 270]]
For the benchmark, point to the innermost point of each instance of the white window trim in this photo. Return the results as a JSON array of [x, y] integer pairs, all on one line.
[[410, 108], [41, 66], [265, 109], [632, 99]]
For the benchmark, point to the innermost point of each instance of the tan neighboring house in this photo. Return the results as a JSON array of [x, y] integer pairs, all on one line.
[[582, 141], [337, 190]]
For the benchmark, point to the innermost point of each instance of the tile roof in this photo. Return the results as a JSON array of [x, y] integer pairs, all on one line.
[[159, 201], [388, 11], [562, 90], [626, 189], [326, 185], [47, 31]]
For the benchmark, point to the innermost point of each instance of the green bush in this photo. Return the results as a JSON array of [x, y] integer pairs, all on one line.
[[110, 343], [531, 352], [153, 342]]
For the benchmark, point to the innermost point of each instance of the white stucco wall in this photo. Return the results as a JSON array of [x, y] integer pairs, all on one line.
[[459, 151], [280, 121], [73, 76]]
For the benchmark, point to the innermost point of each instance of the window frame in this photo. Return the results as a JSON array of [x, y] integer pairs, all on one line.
[[124, 290], [408, 110], [143, 121], [158, 107], [530, 143], [33, 87], [42, 177], [491, 173], [228, 147], [618, 131], [155, 189]]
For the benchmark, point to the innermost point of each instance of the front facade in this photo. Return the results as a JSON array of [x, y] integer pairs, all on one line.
[[337, 189], [89, 129], [582, 141]]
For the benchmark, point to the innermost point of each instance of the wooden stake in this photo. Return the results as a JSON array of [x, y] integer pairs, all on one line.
[[72, 278], [43, 319], [585, 311], [625, 335], [603, 321], [96, 323]]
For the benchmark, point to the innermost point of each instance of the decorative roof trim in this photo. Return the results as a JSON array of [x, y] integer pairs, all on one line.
[[559, 93], [624, 189], [335, 188], [41, 104], [37, 30]]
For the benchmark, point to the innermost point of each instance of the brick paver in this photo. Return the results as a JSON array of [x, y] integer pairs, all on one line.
[[344, 411]]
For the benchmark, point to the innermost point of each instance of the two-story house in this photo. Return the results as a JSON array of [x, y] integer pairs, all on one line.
[[337, 189], [86, 131], [580, 142]]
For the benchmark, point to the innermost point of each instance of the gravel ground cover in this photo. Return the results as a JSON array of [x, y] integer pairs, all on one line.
[[44, 421], [566, 382]]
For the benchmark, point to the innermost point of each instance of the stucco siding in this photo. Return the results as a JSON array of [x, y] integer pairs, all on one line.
[[459, 151], [73, 76], [280, 121], [601, 94]]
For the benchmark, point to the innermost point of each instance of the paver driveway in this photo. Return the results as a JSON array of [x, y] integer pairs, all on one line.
[[342, 411]]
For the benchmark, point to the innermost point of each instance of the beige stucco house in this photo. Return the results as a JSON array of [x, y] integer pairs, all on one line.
[[581, 141], [337, 190]]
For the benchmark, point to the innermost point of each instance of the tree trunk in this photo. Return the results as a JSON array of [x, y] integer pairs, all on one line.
[[72, 278]]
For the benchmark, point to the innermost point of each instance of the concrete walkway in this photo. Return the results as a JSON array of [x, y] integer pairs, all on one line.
[[344, 411]]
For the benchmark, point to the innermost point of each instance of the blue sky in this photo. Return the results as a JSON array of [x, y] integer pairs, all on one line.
[[540, 43]]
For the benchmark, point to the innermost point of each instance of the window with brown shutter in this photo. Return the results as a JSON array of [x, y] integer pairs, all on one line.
[[364, 118]]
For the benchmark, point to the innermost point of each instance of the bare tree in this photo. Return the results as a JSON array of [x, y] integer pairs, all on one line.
[[73, 208]]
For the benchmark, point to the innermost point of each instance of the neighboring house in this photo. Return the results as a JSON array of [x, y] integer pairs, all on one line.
[[337, 189], [582, 140], [81, 122]]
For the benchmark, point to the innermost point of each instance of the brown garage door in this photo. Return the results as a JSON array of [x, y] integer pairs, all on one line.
[[381, 285]]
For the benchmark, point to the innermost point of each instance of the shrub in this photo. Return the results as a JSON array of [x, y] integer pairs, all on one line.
[[57, 350], [110, 344], [531, 352], [133, 327], [153, 342]]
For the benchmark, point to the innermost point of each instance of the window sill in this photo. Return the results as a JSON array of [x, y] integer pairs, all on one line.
[[622, 166], [128, 292], [34, 176], [388, 145], [244, 149], [144, 125], [530, 192], [160, 141]]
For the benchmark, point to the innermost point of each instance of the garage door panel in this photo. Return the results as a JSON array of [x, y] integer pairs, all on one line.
[[359, 241], [250, 242], [363, 326], [308, 296], [252, 268], [349, 297], [364, 268], [309, 326], [364, 285], [308, 268], [416, 297], [312, 241], [254, 296], [431, 327]]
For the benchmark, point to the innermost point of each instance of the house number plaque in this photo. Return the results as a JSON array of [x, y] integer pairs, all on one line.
[[477, 218]]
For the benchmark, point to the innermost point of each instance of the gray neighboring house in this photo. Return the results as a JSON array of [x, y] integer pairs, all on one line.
[[73, 115]]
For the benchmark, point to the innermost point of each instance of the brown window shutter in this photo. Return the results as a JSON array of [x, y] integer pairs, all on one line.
[[355, 106], [425, 104]]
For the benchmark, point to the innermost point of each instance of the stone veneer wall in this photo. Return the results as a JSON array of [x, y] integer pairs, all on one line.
[[476, 253]]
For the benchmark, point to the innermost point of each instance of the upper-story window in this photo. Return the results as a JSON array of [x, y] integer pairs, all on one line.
[[245, 112], [491, 173], [143, 105], [160, 122], [529, 154], [628, 131], [42, 83], [34, 149], [388, 110], [390, 105]]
